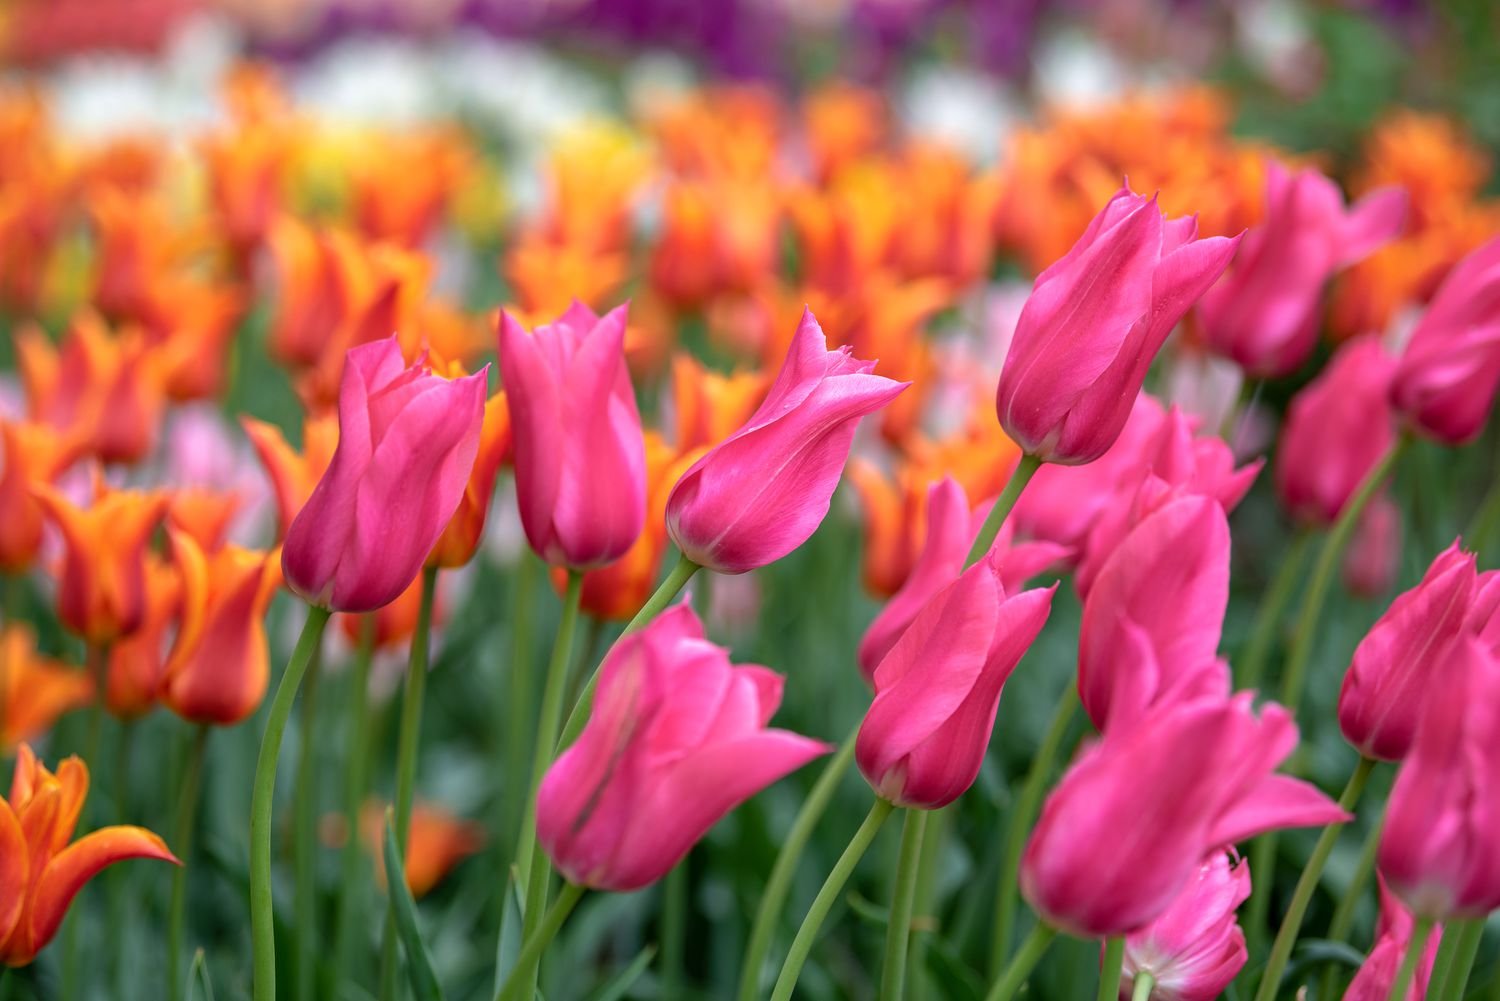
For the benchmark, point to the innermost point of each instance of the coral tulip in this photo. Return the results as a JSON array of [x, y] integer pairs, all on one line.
[[203, 513], [763, 491], [138, 661], [460, 539], [396, 621], [407, 442], [35, 454], [707, 406], [436, 842], [1393, 931], [1195, 948], [677, 739], [34, 691], [1093, 325], [293, 475]]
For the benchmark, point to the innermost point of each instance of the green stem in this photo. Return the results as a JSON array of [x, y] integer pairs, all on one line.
[[305, 828], [356, 763], [117, 880], [518, 707], [97, 658], [1455, 960], [1025, 469], [674, 930], [1109, 972], [182, 844], [1414, 949], [833, 886], [1021, 818], [1343, 915], [536, 943], [1307, 884], [898, 930], [1031, 952], [262, 907], [924, 920], [1144, 984], [1252, 663], [773, 896]]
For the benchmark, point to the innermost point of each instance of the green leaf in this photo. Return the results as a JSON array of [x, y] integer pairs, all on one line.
[[509, 946], [199, 987], [424, 982], [620, 985]]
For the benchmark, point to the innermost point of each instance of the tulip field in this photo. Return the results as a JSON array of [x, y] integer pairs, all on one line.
[[637, 500]]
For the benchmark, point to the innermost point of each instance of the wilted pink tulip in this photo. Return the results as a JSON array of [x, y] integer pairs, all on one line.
[[1152, 620], [580, 456], [1139, 812], [1265, 313], [1394, 666], [407, 441], [761, 492], [1438, 850], [1377, 974], [676, 740], [1338, 428], [937, 691], [1195, 948], [1446, 382], [1374, 554], [1093, 325]]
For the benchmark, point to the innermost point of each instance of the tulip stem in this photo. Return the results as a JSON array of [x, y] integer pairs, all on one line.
[[408, 742], [1421, 929], [674, 912], [1343, 915], [898, 930], [1268, 616], [1021, 818], [1307, 883], [1455, 960], [1145, 983], [304, 827], [773, 895], [182, 843], [1109, 972], [536, 943], [833, 886], [262, 907], [1031, 952], [1025, 469], [519, 704], [356, 763]]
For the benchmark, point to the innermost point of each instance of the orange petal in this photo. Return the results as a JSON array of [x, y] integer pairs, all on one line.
[[14, 861], [80, 862]]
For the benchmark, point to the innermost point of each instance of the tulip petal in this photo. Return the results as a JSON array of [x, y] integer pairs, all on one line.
[[1277, 801], [69, 870], [15, 865], [1373, 221]]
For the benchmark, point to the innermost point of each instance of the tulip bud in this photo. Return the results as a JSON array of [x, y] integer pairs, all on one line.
[[1195, 948], [1093, 325], [580, 463], [1377, 974], [407, 441], [937, 691], [764, 490], [1374, 554], [677, 738]]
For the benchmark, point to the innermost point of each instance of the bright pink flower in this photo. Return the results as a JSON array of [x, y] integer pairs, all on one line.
[[1484, 613], [1374, 554], [1136, 815], [1445, 384], [1195, 948], [1392, 935], [1394, 666], [676, 740], [407, 440], [1093, 324], [937, 691], [580, 456], [761, 492], [1265, 313], [1152, 621], [1438, 850], [1338, 428]]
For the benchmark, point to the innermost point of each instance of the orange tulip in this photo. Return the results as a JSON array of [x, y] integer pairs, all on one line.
[[895, 511], [34, 691], [101, 593], [460, 540], [137, 662], [709, 407], [219, 667], [311, 290], [247, 161], [193, 324], [436, 842], [397, 621], [30, 220], [40, 872], [843, 123], [137, 242], [718, 235], [203, 514], [35, 454], [547, 277], [400, 187], [293, 474]]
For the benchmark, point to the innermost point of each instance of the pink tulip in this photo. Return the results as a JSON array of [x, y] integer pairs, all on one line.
[[1374, 554], [951, 529], [764, 490], [1446, 382], [1337, 429], [579, 454], [1094, 323], [1265, 313], [1438, 850], [937, 691], [407, 441], [676, 740], [1151, 623], [1484, 613], [1138, 813], [1394, 666], [1392, 935], [1195, 948]]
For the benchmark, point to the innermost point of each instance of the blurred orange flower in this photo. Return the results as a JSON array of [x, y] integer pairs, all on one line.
[[34, 691], [34, 455]]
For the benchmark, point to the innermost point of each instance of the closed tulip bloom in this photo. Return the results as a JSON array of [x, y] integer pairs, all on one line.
[[1152, 620], [407, 442], [937, 691], [580, 461], [1374, 555], [1163, 796], [1094, 323], [1338, 428], [765, 489], [1265, 314], [1445, 385], [40, 872], [1438, 850], [1394, 666], [676, 740], [1378, 972], [1196, 947], [460, 539], [34, 455]]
